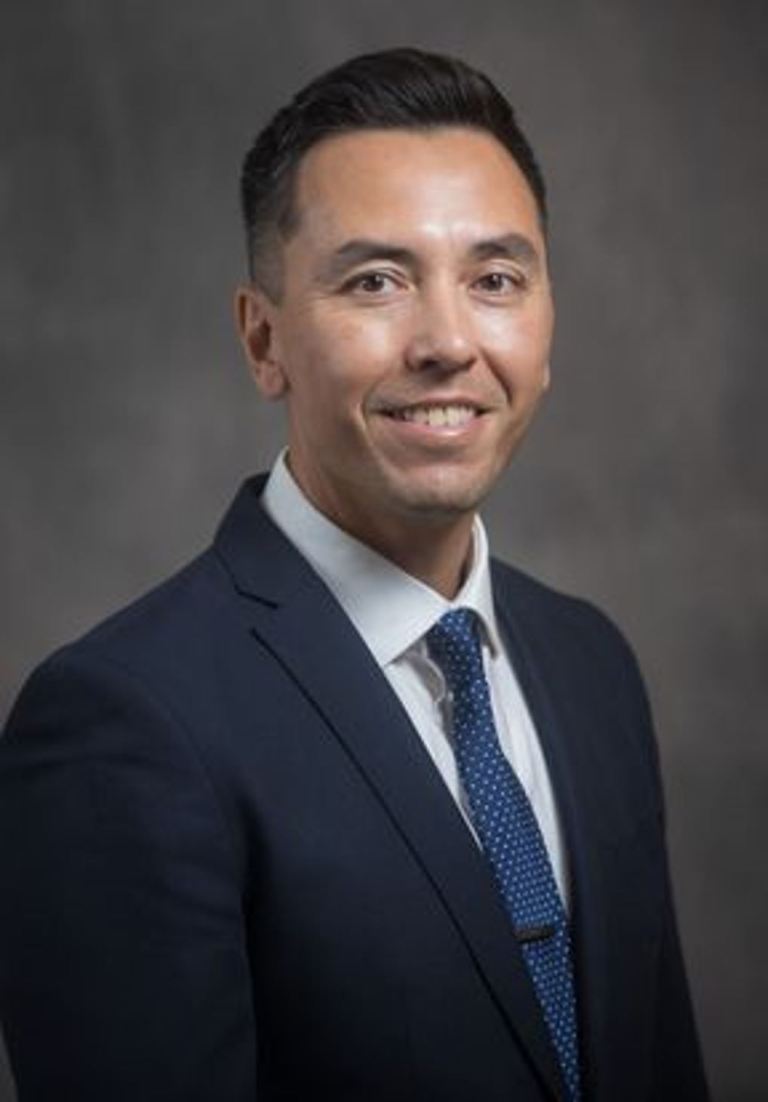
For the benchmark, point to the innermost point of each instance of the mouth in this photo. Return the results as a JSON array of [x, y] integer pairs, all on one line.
[[454, 415]]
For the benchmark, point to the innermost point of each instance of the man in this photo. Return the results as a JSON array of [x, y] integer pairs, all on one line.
[[342, 810]]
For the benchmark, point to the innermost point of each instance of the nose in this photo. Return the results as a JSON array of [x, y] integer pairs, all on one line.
[[441, 336]]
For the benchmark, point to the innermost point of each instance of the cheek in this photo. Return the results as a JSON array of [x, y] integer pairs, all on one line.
[[521, 342], [339, 365], [331, 375], [365, 347]]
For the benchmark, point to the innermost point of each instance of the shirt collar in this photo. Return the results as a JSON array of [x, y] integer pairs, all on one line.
[[391, 609]]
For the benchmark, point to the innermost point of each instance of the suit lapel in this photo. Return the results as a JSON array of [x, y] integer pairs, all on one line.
[[573, 730], [297, 618]]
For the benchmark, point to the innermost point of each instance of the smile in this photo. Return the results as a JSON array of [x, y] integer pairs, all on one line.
[[437, 416]]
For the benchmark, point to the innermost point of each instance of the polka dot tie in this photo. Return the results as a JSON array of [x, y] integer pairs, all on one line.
[[509, 834]]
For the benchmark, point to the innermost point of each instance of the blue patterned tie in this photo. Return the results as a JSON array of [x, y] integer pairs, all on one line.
[[509, 834]]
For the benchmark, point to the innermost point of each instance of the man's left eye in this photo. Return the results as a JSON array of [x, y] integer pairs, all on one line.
[[499, 282]]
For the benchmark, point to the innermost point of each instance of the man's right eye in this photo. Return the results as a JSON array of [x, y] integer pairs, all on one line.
[[371, 283]]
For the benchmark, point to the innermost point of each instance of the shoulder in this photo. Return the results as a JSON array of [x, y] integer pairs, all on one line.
[[156, 631], [169, 619], [546, 609], [160, 654], [133, 705], [173, 632], [583, 658], [576, 641]]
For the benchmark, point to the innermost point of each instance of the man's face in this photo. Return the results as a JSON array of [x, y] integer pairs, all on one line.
[[412, 338]]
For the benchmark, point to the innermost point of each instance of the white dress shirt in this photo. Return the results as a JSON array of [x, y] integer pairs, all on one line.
[[393, 611]]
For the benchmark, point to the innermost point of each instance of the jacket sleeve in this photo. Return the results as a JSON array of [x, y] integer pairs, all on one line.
[[123, 965]]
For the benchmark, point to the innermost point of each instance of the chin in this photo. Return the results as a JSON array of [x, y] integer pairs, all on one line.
[[443, 501]]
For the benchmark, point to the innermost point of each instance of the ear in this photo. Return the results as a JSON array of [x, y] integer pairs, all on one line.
[[254, 316]]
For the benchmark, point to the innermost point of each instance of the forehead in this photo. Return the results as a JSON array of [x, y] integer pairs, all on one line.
[[445, 180]]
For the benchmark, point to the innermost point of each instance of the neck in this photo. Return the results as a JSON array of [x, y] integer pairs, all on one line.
[[437, 553], [433, 547]]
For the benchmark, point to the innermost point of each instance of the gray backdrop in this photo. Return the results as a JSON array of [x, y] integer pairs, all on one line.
[[127, 419]]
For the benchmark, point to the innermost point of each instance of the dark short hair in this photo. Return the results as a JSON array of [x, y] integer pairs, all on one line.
[[392, 89]]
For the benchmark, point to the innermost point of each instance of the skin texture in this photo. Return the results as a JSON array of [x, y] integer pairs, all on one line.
[[416, 278]]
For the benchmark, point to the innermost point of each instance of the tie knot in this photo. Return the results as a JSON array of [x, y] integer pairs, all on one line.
[[454, 644]]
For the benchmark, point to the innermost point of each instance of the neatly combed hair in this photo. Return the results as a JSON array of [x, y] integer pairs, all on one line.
[[393, 89]]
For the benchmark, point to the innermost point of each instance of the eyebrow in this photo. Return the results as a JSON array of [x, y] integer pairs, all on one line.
[[361, 249], [509, 246]]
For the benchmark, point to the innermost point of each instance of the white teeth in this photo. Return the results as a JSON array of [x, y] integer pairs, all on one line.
[[437, 417], [455, 416]]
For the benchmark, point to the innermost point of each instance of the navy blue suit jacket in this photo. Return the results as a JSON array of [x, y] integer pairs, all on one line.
[[231, 871]]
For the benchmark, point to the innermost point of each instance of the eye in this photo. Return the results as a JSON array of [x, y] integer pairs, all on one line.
[[500, 283], [371, 283]]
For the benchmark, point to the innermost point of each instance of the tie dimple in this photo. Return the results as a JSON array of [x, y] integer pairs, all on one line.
[[509, 834]]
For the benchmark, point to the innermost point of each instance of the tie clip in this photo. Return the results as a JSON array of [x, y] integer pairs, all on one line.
[[525, 934]]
